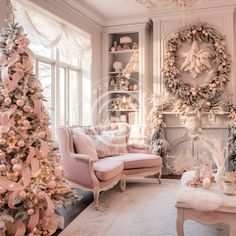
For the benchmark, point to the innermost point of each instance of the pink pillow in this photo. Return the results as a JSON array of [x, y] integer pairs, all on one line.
[[84, 145]]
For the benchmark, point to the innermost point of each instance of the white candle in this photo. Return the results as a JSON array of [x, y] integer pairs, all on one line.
[[206, 183]]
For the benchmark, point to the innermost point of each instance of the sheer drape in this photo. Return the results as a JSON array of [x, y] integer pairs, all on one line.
[[46, 30]]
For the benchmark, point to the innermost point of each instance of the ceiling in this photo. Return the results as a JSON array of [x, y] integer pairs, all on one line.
[[116, 8]]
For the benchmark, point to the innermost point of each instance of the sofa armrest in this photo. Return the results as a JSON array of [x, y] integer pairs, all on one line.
[[81, 157], [139, 148]]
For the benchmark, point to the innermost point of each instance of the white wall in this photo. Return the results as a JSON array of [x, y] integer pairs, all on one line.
[[3, 12]]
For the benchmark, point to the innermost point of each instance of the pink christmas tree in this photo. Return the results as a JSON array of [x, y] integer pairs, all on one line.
[[31, 181]]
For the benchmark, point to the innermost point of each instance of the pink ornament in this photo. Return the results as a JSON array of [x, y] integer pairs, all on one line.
[[20, 102], [21, 143], [2, 141], [2, 190], [26, 123], [27, 108], [11, 133], [23, 118], [14, 161], [40, 195], [22, 194], [58, 173], [7, 101], [3, 167], [52, 184], [17, 167], [30, 211], [41, 134], [2, 155]]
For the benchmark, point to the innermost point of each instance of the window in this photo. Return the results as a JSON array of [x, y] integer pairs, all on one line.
[[63, 86], [65, 79]]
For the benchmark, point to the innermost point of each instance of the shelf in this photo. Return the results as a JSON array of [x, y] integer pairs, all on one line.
[[113, 72], [122, 91], [124, 51], [124, 110]]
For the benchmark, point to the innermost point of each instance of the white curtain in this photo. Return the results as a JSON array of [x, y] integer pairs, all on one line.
[[45, 29]]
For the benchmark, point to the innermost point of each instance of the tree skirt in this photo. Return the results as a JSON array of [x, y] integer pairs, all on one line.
[[145, 208]]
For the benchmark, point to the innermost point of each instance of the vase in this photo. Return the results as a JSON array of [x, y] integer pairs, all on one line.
[[218, 178]]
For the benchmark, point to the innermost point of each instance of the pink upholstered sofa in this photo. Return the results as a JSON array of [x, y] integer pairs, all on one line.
[[82, 166]]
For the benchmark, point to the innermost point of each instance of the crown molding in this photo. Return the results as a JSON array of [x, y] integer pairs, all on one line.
[[84, 10], [171, 8], [131, 20]]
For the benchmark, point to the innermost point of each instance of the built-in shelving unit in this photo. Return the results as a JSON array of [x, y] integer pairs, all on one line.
[[127, 84]]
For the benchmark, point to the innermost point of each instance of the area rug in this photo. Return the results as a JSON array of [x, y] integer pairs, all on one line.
[[145, 208]]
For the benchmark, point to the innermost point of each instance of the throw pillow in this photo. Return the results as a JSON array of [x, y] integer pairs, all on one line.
[[84, 145], [104, 146], [119, 139]]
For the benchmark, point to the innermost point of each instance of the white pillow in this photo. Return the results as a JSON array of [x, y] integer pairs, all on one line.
[[119, 139], [104, 146]]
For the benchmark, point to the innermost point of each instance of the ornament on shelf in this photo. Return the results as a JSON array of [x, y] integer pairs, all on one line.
[[118, 66], [114, 48], [126, 41]]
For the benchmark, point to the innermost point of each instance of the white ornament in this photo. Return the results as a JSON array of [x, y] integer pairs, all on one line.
[[17, 167], [7, 101], [20, 102], [118, 66], [14, 161], [21, 143], [196, 61], [3, 167]]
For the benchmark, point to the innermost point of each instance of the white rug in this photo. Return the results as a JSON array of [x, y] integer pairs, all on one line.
[[145, 208]]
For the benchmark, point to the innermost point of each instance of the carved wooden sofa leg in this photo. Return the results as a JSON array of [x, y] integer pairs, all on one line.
[[159, 176], [96, 199], [123, 183]]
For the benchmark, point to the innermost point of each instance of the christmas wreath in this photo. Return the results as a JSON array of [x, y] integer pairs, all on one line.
[[196, 62]]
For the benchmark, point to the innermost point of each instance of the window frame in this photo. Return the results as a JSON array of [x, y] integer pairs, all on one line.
[[56, 64]]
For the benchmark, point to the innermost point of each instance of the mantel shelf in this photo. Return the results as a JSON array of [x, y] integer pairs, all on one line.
[[123, 110], [204, 113], [122, 91], [124, 51]]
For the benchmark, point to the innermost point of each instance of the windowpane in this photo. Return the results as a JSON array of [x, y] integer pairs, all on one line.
[[45, 77], [40, 50], [69, 60], [62, 97], [74, 115]]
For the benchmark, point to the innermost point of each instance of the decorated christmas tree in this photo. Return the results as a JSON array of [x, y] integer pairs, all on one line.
[[31, 181]]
